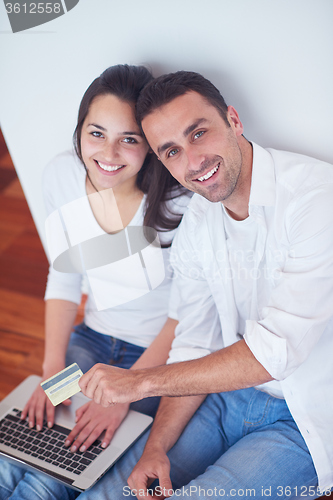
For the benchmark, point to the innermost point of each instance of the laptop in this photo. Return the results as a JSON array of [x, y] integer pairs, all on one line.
[[45, 452]]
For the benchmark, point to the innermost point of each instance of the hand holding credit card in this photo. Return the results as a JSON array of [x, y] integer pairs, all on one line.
[[63, 385]]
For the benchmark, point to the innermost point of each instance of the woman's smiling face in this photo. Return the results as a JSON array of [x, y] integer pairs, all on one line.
[[113, 148]]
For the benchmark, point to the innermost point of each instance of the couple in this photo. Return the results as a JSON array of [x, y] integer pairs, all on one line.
[[254, 276]]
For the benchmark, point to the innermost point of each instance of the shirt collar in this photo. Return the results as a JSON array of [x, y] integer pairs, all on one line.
[[262, 191]]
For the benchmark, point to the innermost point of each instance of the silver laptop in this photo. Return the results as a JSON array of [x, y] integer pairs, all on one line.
[[45, 452]]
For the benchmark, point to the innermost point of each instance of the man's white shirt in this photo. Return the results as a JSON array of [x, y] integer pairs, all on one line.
[[288, 320]]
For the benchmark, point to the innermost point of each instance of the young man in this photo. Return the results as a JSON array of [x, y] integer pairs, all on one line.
[[254, 269]]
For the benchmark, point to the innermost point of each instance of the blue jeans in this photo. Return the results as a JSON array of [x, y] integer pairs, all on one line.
[[86, 348], [238, 444]]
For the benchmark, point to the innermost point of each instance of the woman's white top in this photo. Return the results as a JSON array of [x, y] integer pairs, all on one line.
[[129, 280]]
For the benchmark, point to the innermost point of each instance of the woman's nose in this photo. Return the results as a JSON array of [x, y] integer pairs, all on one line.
[[110, 151]]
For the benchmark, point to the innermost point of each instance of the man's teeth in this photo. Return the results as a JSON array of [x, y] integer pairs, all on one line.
[[209, 174], [108, 168]]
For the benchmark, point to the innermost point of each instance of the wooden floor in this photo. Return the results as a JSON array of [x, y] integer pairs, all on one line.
[[23, 272]]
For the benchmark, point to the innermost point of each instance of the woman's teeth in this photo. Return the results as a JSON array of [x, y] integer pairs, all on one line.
[[209, 174], [108, 168]]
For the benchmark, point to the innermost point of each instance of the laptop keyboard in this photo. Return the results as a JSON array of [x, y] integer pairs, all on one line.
[[46, 445]]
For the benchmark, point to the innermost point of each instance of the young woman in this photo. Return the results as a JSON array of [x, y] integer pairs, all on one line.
[[115, 182]]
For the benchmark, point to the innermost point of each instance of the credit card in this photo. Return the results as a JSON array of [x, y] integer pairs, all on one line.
[[63, 385]]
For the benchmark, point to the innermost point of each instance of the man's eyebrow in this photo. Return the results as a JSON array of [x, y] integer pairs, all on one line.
[[186, 132], [165, 146], [194, 125]]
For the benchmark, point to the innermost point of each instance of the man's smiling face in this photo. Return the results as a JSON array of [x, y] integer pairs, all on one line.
[[196, 145]]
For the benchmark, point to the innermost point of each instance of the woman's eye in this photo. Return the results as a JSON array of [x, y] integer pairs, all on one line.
[[172, 153], [198, 134], [130, 140], [95, 133]]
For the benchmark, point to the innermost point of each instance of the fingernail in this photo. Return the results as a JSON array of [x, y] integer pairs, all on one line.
[[104, 445], [49, 424], [73, 448], [83, 448], [31, 424], [38, 427], [67, 443]]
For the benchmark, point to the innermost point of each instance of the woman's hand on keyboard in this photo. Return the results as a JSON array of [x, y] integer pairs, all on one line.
[[38, 407], [92, 419]]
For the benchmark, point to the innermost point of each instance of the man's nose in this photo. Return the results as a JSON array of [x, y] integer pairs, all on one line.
[[195, 157]]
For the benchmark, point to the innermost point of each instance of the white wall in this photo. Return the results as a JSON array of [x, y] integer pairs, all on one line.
[[272, 59]]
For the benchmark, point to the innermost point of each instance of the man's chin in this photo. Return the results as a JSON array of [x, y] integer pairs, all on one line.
[[210, 194]]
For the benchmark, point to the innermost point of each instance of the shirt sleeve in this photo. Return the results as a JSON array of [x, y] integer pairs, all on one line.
[[63, 286], [173, 300], [199, 331], [301, 303]]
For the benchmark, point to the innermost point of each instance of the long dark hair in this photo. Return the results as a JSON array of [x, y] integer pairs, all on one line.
[[126, 83]]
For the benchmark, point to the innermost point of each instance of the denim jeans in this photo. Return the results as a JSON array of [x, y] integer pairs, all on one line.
[[238, 444], [86, 348]]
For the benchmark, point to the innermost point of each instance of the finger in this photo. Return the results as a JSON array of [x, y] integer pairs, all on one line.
[[70, 438], [50, 410], [25, 410], [67, 402], [31, 415], [97, 396], [39, 412], [84, 381], [106, 402], [105, 396], [95, 434], [90, 433], [166, 485], [142, 490], [81, 411], [75, 432], [108, 436], [139, 482]]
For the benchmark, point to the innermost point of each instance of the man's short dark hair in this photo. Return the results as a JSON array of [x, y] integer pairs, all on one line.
[[165, 88]]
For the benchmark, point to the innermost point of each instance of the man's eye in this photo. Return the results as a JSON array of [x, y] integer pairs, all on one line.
[[130, 140], [198, 134], [172, 153]]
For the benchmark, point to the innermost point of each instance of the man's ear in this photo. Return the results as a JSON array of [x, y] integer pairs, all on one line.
[[234, 121]]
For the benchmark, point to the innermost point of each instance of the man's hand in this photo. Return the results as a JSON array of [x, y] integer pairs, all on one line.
[[108, 385], [154, 464], [37, 406], [92, 420]]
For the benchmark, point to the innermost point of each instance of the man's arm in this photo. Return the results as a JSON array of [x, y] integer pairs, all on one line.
[[172, 417], [92, 419], [228, 369]]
